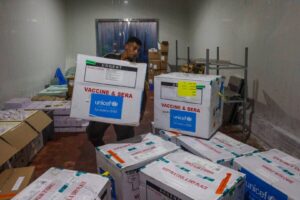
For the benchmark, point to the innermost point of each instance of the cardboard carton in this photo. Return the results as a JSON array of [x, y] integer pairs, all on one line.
[[35, 118], [108, 90], [7, 151], [188, 103], [17, 134], [164, 46], [123, 161], [14, 180], [63, 184], [270, 175], [181, 175], [220, 148], [155, 64], [154, 55]]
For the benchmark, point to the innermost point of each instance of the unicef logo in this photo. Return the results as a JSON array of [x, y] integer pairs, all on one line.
[[271, 198], [189, 119], [114, 104]]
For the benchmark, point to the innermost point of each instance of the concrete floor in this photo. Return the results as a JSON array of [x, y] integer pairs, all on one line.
[[74, 151]]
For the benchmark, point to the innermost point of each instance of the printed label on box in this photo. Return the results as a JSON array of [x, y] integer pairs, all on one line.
[[259, 190], [182, 120], [155, 192], [106, 106], [187, 89]]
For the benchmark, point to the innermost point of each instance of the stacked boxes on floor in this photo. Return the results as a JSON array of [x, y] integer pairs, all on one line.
[[17, 103], [108, 90], [189, 104], [157, 61], [21, 131], [123, 161], [219, 149], [61, 115], [14, 180], [181, 175], [63, 184], [270, 175]]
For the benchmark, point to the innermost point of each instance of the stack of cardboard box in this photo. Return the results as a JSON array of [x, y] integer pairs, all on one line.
[[67, 184], [20, 136], [158, 61]]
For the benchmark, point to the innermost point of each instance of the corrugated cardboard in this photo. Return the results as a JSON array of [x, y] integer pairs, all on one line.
[[18, 135], [170, 136], [164, 46], [155, 64], [153, 55], [108, 90], [7, 151], [61, 184], [14, 180], [199, 115], [123, 160], [181, 175], [38, 120], [35, 118], [270, 175], [220, 148]]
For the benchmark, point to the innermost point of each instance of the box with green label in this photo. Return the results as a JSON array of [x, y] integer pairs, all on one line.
[[189, 104]]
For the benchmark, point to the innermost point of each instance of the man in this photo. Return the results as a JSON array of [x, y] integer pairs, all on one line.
[[96, 130]]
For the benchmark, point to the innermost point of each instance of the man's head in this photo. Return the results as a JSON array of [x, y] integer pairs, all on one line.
[[132, 47]]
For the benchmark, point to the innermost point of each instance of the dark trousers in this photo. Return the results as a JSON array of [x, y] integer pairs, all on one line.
[[96, 130]]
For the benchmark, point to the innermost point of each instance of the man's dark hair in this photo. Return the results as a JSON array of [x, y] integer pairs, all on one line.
[[134, 39]]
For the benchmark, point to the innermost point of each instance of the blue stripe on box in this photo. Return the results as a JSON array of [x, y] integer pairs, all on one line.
[[106, 106], [183, 120]]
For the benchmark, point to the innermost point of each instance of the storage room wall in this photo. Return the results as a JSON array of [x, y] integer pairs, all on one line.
[[271, 30], [81, 15], [31, 45]]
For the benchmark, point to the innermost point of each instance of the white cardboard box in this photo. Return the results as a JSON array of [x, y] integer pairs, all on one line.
[[270, 175], [169, 136], [220, 148], [108, 90], [123, 161], [16, 103], [181, 175], [197, 114], [63, 184]]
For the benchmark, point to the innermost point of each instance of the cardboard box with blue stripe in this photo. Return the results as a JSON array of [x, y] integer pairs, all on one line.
[[188, 103], [270, 175], [108, 90]]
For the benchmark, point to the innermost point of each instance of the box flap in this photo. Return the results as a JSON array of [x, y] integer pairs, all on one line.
[[39, 120], [20, 135], [7, 151], [12, 181]]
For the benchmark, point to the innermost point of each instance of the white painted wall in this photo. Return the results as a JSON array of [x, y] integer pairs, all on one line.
[[81, 16], [271, 30], [31, 45]]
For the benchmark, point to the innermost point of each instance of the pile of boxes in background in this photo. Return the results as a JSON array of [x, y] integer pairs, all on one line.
[[157, 62], [21, 136]]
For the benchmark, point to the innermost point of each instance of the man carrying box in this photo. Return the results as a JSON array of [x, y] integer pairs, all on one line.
[[96, 130]]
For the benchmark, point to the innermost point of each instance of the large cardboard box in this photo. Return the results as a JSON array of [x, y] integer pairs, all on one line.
[[16, 103], [270, 175], [17, 134], [14, 180], [154, 55], [155, 64], [220, 148], [169, 135], [63, 184], [108, 90], [188, 103], [35, 118], [181, 175], [123, 161], [164, 46], [7, 151]]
